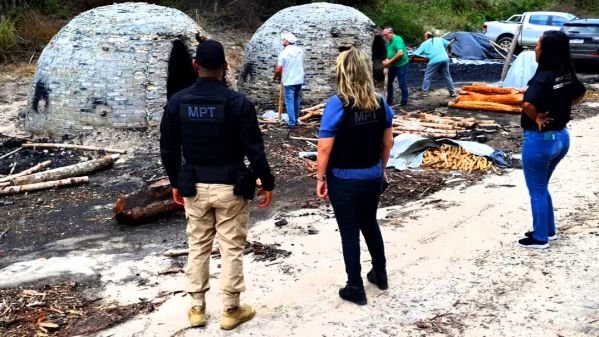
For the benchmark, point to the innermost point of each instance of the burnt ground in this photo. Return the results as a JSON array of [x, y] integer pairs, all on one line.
[[31, 221]]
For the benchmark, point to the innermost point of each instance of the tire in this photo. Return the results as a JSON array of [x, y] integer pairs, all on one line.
[[505, 41]]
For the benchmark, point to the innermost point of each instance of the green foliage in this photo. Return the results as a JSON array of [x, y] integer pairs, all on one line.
[[401, 16], [411, 18], [51, 6], [8, 38]]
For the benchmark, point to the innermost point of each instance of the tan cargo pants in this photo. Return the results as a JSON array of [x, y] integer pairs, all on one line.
[[216, 211]]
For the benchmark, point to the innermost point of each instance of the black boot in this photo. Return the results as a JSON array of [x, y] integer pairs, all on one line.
[[378, 278], [353, 294]]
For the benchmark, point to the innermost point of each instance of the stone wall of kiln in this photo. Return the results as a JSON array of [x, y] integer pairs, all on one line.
[[322, 29], [107, 68]]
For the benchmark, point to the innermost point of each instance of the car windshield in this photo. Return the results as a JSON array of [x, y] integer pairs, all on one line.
[[514, 18], [582, 29]]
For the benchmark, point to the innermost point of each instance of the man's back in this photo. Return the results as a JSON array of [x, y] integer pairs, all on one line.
[[292, 61]]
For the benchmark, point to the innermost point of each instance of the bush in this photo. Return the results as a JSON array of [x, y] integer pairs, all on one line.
[[8, 39], [37, 29], [401, 16]]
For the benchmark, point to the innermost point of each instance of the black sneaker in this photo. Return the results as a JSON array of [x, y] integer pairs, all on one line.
[[552, 236], [378, 279], [353, 294], [532, 243]]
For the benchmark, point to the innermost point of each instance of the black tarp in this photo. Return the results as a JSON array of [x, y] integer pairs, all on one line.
[[471, 46]]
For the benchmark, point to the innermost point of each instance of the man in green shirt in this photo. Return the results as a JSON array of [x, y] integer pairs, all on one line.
[[397, 64]]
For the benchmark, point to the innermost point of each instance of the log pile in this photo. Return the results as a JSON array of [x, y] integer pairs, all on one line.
[[489, 98], [32, 179], [433, 126], [456, 158], [314, 112]]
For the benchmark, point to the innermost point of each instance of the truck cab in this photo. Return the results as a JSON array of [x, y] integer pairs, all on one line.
[[533, 26]]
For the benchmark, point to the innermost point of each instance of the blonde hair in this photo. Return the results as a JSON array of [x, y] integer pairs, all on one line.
[[354, 80]]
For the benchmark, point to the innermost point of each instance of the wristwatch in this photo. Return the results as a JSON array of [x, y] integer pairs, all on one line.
[[324, 178]]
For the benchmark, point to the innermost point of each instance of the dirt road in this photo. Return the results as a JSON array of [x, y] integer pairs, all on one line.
[[454, 267]]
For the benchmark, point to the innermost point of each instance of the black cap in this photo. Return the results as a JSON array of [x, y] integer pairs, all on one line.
[[210, 54]]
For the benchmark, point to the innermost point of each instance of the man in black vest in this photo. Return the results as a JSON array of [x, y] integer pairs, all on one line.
[[214, 128]]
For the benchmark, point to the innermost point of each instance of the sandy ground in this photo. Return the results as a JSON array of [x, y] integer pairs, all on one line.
[[454, 267]]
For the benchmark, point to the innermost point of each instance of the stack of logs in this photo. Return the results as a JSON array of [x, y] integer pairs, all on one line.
[[433, 126], [312, 113], [489, 98], [455, 158], [35, 178]]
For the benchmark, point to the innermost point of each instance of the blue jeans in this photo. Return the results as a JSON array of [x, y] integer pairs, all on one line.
[[293, 98], [541, 152], [402, 79], [355, 203], [434, 68]]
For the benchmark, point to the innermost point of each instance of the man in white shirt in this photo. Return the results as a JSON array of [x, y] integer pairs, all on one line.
[[290, 66]]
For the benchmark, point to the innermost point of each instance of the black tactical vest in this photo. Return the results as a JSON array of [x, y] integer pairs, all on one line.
[[210, 133], [359, 139]]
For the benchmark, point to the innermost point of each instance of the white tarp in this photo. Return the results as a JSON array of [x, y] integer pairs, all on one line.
[[521, 70], [274, 116], [408, 150]]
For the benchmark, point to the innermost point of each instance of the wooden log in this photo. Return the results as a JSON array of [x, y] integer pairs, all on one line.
[[310, 114], [457, 121], [424, 130], [315, 107], [489, 90], [71, 146], [139, 215], [442, 126], [65, 172], [43, 185], [11, 153], [458, 124], [34, 169], [508, 58], [426, 134], [176, 252], [281, 102], [487, 106], [303, 138], [512, 99]]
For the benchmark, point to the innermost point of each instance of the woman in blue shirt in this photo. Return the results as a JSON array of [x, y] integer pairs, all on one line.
[[356, 136]]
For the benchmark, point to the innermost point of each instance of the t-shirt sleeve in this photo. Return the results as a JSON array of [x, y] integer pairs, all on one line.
[[539, 88], [281, 60], [445, 42], [420, 50], [389, 114], [331, 117]]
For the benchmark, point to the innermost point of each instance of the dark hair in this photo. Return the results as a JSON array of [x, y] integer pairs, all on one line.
[[555, 53]]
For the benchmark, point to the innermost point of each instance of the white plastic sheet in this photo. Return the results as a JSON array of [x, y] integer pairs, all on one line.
[[521, 70], [408, 150]]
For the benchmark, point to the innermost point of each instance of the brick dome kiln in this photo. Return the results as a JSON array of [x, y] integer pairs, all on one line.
[[322, 29], [108, 67]]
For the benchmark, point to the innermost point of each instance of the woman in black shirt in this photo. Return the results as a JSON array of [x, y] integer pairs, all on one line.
[[546, 110]]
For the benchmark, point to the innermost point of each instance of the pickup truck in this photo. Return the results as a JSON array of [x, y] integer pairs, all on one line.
[[533, 25]]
